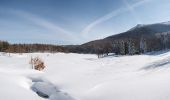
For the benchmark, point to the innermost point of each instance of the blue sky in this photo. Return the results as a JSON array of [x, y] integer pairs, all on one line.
[[75, 21]]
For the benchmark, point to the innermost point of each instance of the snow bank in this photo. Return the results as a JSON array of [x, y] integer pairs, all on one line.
[[84, 77]]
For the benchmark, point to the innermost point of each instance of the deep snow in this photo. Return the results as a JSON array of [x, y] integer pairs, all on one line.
[[85, 77]]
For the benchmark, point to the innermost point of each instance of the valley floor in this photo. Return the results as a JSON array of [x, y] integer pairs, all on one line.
[[85, 77]]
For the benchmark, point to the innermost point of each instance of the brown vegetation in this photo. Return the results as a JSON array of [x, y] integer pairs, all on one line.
[[135, 41], [29, 48], [37, 63]]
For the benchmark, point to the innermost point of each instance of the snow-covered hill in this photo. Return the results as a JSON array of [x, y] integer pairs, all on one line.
[[85, 77], [156, 27]]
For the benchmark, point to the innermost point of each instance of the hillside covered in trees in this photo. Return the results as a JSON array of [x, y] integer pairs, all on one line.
[[140, 39]]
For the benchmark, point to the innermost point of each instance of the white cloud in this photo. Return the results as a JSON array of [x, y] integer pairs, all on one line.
[[111, 15], [56, 30], [132, 11]]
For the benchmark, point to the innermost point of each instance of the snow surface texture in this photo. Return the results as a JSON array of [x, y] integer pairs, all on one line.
[[85, 77]]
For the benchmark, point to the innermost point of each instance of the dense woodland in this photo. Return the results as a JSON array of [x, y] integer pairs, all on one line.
[[135, 41], [132, 42], [120, 45], [28, 48]]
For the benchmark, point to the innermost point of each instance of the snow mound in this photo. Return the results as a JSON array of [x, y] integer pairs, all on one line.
[[84, 77]]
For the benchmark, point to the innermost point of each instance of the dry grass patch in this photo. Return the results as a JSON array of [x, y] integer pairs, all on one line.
[[37, 63]]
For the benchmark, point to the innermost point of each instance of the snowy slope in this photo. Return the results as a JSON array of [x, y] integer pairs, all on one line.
[[84, 77], [156, 28]]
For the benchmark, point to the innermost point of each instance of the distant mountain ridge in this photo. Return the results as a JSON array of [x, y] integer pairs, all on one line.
[[139, 39], [151, 28], [155, 35]]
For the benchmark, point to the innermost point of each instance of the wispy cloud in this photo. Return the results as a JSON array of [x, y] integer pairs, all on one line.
[[132, 11], [111, 15], [55, 29]]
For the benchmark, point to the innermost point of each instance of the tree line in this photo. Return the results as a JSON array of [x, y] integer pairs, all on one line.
[[122, 44], [126, 44], [29, 48]]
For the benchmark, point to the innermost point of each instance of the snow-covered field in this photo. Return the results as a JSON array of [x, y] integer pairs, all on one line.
[[85, 77]]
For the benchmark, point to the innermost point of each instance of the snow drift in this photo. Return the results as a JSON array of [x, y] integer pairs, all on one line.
[[85, 77]]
